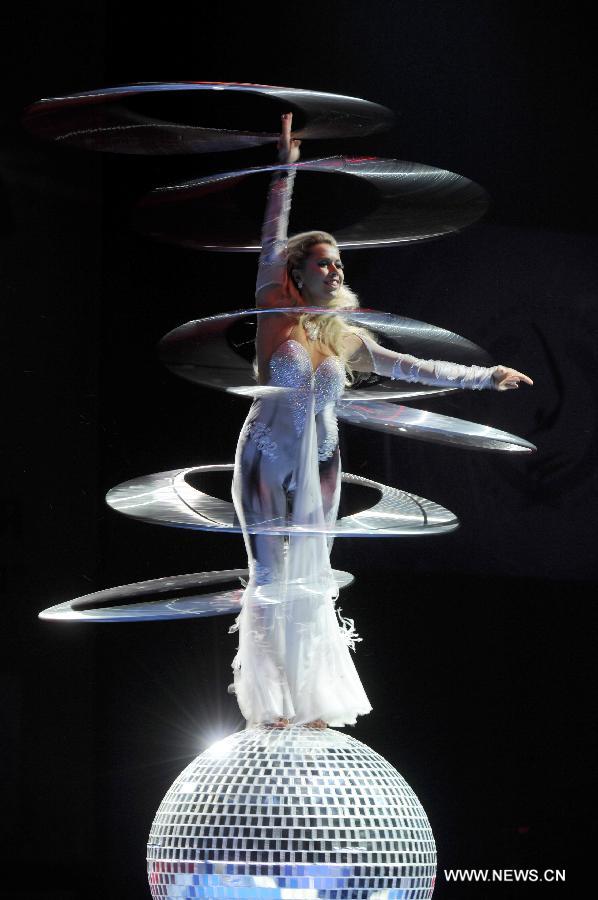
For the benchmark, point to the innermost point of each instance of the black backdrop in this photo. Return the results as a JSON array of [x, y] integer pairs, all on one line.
[[476, 650]]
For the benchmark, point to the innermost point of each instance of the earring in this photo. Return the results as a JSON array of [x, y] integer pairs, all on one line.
[[299, 285]]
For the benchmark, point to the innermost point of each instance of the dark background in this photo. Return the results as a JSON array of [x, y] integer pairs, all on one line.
[[477, 653]]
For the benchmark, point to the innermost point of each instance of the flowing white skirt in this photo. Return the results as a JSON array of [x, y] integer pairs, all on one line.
[[294, 658]]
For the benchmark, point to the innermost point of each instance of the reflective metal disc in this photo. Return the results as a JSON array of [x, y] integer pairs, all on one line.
[[197, 117], [177, 597], [168, 498], [369, 203], [218, 351], [426, 426]]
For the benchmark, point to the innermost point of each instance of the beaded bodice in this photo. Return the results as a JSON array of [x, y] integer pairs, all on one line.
[[291, 367]]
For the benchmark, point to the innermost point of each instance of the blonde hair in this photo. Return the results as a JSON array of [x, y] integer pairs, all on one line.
[[331, 328]]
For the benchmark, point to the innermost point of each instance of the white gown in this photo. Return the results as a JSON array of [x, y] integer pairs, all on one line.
[[294, 657]]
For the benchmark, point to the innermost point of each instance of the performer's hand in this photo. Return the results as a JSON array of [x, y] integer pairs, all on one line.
[[288, 147], [506, 379]]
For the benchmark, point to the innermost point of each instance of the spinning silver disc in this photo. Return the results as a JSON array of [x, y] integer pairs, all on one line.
[[197, 117], [426, 426], [378, 202], [218, 351], [168, 498], [178, 597]]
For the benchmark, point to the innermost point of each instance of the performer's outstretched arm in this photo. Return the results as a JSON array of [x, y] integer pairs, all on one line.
[[365, 355], [271, 273]]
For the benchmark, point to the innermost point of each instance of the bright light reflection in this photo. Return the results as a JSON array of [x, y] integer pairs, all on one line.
[[219, 746], [188, 787]]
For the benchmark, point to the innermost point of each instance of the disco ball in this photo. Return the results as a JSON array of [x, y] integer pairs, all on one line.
[[291, 813]]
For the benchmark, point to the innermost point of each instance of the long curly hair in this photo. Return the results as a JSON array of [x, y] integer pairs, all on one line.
[[330, 329]]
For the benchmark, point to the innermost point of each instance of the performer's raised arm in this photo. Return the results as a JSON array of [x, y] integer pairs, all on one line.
[[271, 276], [365, 355]]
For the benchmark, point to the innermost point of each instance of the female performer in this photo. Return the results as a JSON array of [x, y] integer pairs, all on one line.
[[293, 664]]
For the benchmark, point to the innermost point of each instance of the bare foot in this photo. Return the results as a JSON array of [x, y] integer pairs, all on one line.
[[317, 723], [282, 722]]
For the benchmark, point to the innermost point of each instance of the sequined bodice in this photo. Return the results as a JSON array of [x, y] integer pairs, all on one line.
[[290, 366], [276, 424]]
